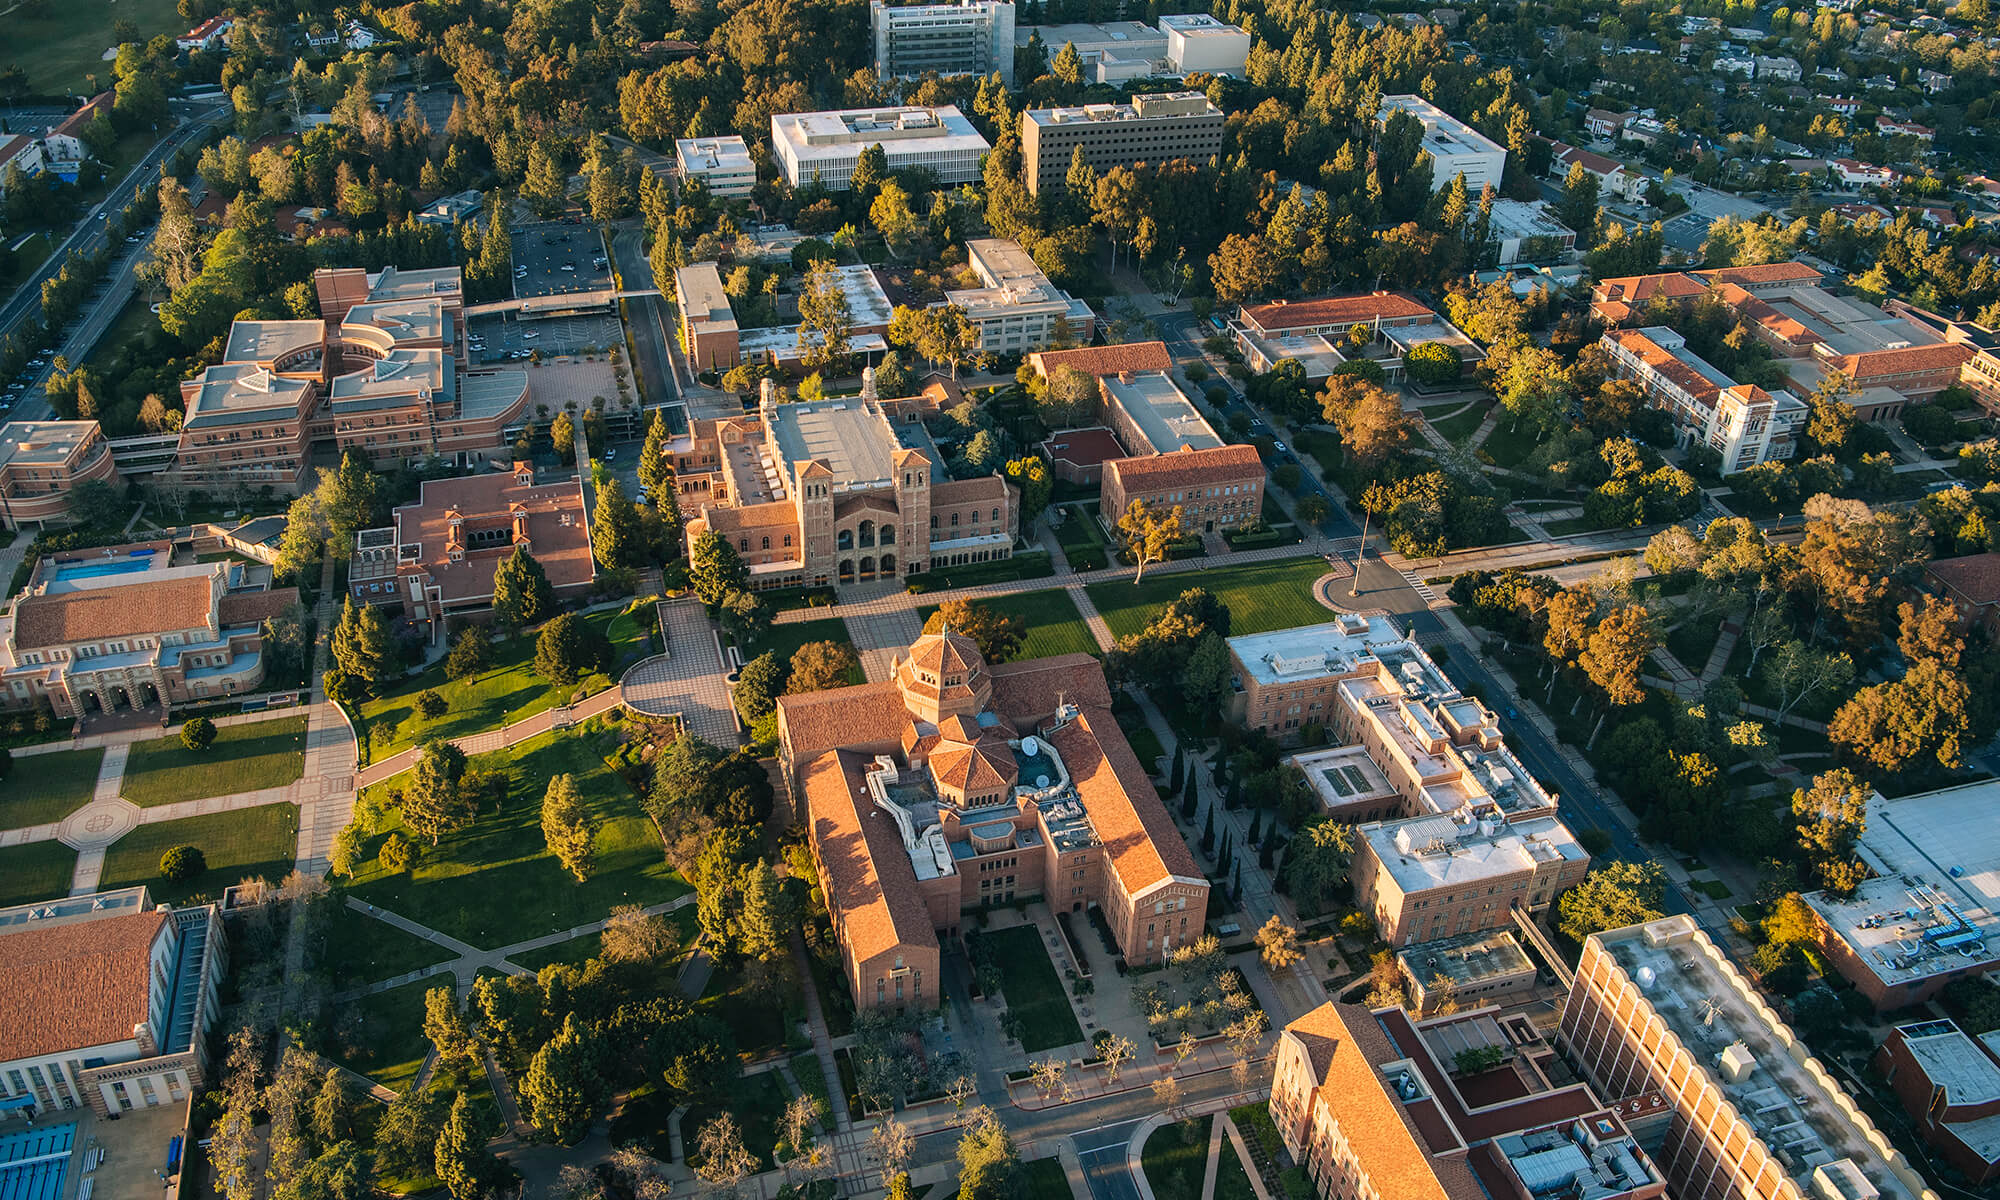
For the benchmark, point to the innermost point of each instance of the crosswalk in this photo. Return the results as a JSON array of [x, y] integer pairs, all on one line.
[[1430, 598]]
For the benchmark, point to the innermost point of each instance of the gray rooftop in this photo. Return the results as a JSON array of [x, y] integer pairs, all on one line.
[[1312, 650], [854, 440], [42, 443], [1468, 958], [267, 341], [1442, 851], [231, 392], [1163, 413]]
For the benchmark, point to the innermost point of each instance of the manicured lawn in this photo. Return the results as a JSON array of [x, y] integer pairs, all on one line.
[[1507, 444], [1714, 889], [756, 1101], [812, 1081], [58, 44], [1175, 1162], [1034, 991], [1261, 596], [48, 787], [384, 1037], [1693, 641], [1082, 541], [579, 950], [1139, 733], [507, 692], [785, 640], [243, 758], [759, 1019], [259, 842], [1232, 1180], [1459, 427], [1053, 624], [494, 882], [1044, 1177], [36, 871], [358, 949]]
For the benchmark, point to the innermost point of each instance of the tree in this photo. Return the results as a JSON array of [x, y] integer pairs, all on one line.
[[1931, 633], [350, 850], [1616, 652], [445, 1028], [521, 591], [350, 497], [182, 863], [362, 645], [1371, 421], [746, 616], [633, 935], [1205, 682], [567, 826], [1278, 944], [1432, 363], [988, 1163], [1242, 269], [1578, 207], [198, 733], [1316, 862], [568, 648], [1031, 474], [462, 1162], [1922, 716], [470, 651], [1149, 534], [1831, 816], [767, 919], [565, 1082], [562, 438], [1796, 672], [429, 705], [720, 1157], [760, 683], [826, 324], [1534, 388], [433, 802], [817, 666], [395, 853], [894, 1145], [614, 530], [1615, 894], [94, 503], [997, 634], [656, 469], [891, 216], [714, 570], [1069, 397]]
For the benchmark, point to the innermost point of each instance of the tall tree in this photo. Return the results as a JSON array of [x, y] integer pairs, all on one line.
[[522, 594], [817, 666], [444, 1027], [1578, 207], [350, 496], [826, 322], [565, 1082], [462, 1162], [614, 531], [362, 645], [656, 467], [434, 800], [1149, 534], [568, 648], [997, 634], [1370, 420], [1615, 894], [568, 828], [714, 569]]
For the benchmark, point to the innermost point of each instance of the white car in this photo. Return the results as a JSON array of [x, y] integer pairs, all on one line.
[[530, 336]]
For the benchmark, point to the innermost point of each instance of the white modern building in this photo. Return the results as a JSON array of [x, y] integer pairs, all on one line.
[[1016, 309], [974, 37], [109, 1001], [723, 164], [1527, 233], [826, 146], [1118, 51], [1197, 42], [1741, 421], [1455, 147]]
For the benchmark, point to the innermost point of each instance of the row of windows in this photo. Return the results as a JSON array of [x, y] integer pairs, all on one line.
[[954, 518]]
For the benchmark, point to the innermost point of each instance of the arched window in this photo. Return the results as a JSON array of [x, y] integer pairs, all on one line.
[[742, 543], [767, 543], [888, 535], [996, 515]]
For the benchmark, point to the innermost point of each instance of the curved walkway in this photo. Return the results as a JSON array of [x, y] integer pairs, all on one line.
[[487, 740]]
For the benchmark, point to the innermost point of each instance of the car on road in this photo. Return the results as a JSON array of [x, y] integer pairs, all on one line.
[[611, 454], [569, 267], [1280, 447], [529, 335]]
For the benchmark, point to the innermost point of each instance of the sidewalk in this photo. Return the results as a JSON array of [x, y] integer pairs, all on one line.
[[496, 739]]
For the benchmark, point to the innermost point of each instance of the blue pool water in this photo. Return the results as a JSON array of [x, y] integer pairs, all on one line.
[[110, 566], [34, 1161]]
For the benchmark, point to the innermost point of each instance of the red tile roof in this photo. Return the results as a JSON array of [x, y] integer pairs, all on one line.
[[73, 124], [558, 534], [1668, 365], [1786, 329], [1780, 272], [1334, 310], [130, 610], [1186, 467], [1909, 360], [1139, 839], [869, 881], [75, 985], [1027, 692], [1974, 578], [1107, 360], [1635, 290], [254, 608]]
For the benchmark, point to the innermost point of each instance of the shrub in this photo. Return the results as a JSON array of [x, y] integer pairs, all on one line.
[[395, 853], [182, 863], [198, 733], [430, 706]]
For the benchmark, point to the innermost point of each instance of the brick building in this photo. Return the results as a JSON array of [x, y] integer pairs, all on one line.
[[40, 461], [954, 786], [1175, 458], [1949, 1084], [1445, 875]]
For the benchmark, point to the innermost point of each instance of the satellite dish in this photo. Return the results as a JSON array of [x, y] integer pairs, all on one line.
[[1030, 746], [1041, 781]]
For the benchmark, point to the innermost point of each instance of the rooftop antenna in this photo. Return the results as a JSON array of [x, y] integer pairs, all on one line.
[[1711, 1008]]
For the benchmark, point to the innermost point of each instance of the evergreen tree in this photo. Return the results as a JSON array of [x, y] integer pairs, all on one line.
[[1189, 803], [569, 648], [1177, 777], [564, 1083], [562, 438], [714, 570], [434, 803], [614, 531], [521, 591], [656, 470], [1208, 831], [1236, 888], [444, 1026], [362, 646], [349, 497], [1257, 829], [765, 923], [470, 653], [567, 827], [462, 1162]]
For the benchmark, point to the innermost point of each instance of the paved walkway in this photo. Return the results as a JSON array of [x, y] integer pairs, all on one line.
[[837, 1116], [687, 681], [487, 740]]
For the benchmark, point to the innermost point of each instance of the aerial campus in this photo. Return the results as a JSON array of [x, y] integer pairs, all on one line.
[[799, 598]]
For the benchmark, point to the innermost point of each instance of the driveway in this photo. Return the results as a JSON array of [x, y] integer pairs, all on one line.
[[1102, 1152]]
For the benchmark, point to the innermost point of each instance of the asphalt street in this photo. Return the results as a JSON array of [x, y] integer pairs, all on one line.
[[1102, 1152], [646, 319]]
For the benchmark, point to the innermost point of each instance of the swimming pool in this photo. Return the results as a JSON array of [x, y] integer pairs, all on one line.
[[34, 1161], [110, 566]]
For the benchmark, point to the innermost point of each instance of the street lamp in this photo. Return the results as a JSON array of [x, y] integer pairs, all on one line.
[[1360, 552]]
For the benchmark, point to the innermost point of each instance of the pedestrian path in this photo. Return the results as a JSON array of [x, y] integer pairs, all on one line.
[[687, 680], [488, 740], [836, 1094]]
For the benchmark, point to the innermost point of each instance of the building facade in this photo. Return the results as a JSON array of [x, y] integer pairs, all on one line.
[[41, 461], [722, 164], [1153, 128], [1750, 1112], [110, 1002], [1440, 876], [713, 339], [826, 146], [1016, 309], [972, 37], [837, 491], [1739, 421], [955, 786], [1318, 334], [1455, 147], [124, 627], [1461, 1107], [64, 142], [1949, 1085]]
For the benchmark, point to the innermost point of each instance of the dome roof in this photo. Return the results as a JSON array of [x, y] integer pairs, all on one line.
[[946, 652]]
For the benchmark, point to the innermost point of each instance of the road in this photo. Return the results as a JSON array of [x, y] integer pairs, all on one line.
[[645, 318]]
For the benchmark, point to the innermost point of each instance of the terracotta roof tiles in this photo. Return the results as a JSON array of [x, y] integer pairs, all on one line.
[[1781, 272], [1139, 839], [1027, 692], [93, 614], [870, 883], [1334, 310], [1186, 467], [866, 714], [1975, 577], [74, 985], [1107, 360], [255, 608], [1908, 360]]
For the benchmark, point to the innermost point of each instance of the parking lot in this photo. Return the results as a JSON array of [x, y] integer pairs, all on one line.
[[497, 337], [554, 258]]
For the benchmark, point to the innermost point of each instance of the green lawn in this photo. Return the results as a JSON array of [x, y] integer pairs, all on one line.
[[494, 882], [812, 1082], [784, 641], [760, 1020], [1082, 541], [243, 758], [382, 1036], [1139, 733], [756, 1101], [1507, 444], [48, 787], [358, 949], [1053, 624], [1459, 427], [507, 692], [1261, 596], [252, 842], [36, 871], [59, 44], [579, 950], [1232, 1179], [1175, 1157], [1034, 991], [1044, 1177]]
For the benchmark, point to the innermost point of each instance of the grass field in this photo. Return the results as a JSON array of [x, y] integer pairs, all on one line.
[[759, 1019], [1508, 444], [1082, 541], [358, 949], [1045, 1177], [507, 692], [1261, 596], [784, 641], [260, 842], [36, 871], [1175, 1161], [48, 787], [385, 1040], [60, 44], [1053, 624], [243, 758], [756, 1101], [1458, 426], [453, 886], [1033, 989], [579, 950], [1232, 1180]]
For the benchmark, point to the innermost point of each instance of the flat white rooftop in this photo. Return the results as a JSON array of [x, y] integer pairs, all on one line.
[[1163, 413], [1512, 218], [720, 155], [1445, 136], [1331, 648], [1449, 850]]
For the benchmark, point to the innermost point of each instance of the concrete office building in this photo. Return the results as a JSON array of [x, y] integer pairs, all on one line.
[[40, 461], [955, 785], [1154, 128], [713, 340], [1119, 51], [1455, 147], [1460, 1107], [1469, 969], [1751, 1113], [722, 164], [1742, 422], [1438, 876], [1016, 309], [1527, 233], [972, 37], [826, 146], [110, 1002], [1199, 44]]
